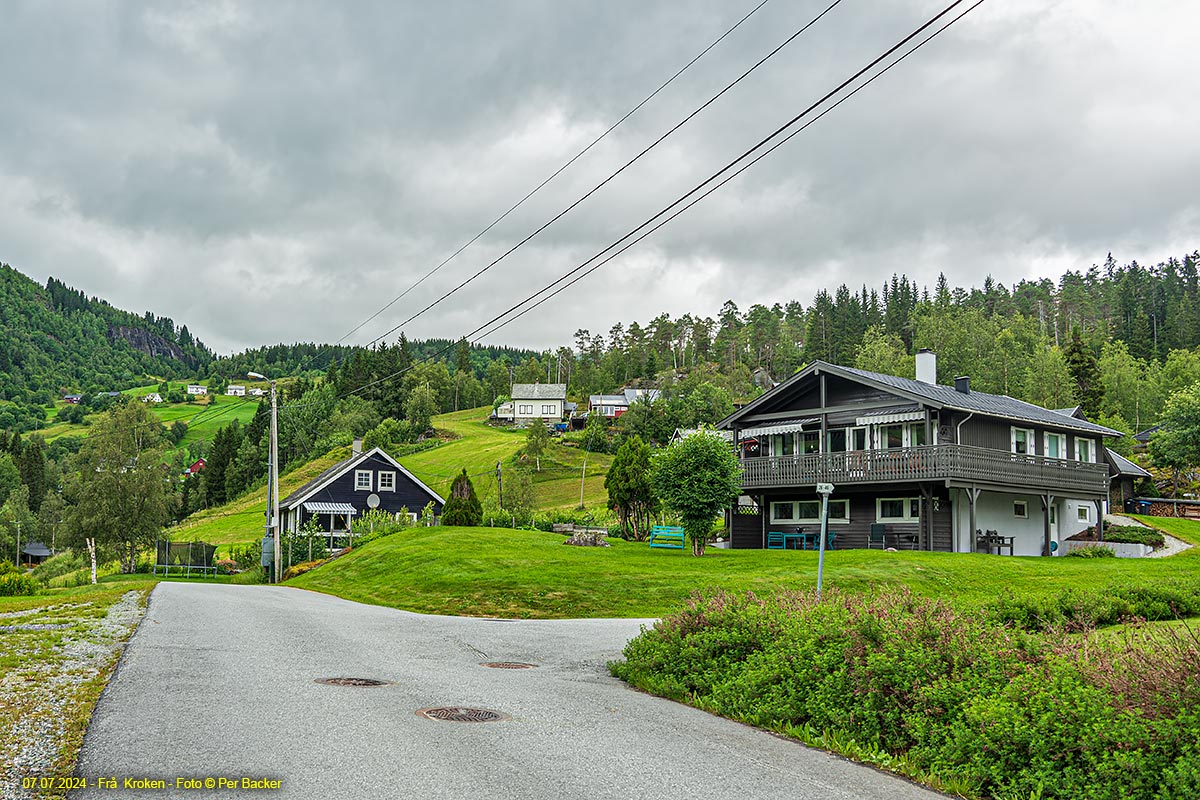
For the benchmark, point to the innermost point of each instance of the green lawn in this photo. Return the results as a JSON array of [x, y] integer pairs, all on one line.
[[498, 572], [1186, 529], [480, 446]]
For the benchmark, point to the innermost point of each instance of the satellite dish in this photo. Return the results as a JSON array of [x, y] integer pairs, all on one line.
[[373, 500]]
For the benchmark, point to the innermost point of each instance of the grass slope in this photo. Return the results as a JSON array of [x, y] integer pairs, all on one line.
[[1187, 530], [480, 446], [497, 572]]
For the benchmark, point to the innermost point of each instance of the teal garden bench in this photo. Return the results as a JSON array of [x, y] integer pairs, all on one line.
[[667, 536]]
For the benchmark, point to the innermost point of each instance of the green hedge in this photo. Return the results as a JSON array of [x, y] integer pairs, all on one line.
[[15, 583], [958, 701]]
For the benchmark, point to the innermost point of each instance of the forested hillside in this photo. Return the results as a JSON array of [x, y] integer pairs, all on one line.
[[54, 339]]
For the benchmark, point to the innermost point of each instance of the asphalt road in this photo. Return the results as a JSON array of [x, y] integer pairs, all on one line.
[[218, 682]]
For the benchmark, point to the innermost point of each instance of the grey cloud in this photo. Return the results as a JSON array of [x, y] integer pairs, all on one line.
[[277, 172]]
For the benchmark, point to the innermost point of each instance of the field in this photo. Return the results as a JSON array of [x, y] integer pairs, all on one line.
[[506, 573], [480, 446], [209, 415], [477, 449]]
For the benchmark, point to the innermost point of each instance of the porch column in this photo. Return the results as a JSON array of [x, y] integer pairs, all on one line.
[[762, 514], [926, 527], [1100, 520], [972, 498], [1047, 502]]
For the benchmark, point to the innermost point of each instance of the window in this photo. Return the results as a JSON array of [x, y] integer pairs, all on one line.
[[525, 409], [809, 511], [783, 444], [898, 509], [1055, 445], [916, 434], [858, 438], [1083, 514], [547, 410], [837, 441], [1053, 515], [810, 442], [362, 480], [891, 437], [1022, 441], [1085, 450], [1020, 509], [387, 481]]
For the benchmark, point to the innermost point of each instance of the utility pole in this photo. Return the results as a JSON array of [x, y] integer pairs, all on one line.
[[274, 479], [500, 484], [272, 525], [823, 489], [18, 543]]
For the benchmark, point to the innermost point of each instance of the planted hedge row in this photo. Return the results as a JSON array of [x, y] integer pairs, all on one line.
[[961, 701]]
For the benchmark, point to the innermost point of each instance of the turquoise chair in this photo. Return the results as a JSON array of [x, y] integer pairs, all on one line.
[[775, 540]]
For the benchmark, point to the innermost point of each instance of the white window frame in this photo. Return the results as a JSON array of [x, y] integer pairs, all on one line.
[[1091, 445], [1021, 509], [908, 505], [800, 439], [391, 477], [881, 437], [358, 483], [796, 519], [547, 408], [776, 444], [1062, 444], [525, 408], [1083, 514], [1030, 440]]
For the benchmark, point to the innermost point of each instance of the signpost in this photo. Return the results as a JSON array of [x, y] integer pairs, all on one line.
[[823, 489]]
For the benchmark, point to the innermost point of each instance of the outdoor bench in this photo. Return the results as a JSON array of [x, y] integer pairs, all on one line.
[[667, 536]]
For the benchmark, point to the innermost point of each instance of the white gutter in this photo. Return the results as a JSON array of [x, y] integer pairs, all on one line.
[[958, 428]]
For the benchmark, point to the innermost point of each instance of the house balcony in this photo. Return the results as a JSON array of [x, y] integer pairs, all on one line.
[[953, 464]]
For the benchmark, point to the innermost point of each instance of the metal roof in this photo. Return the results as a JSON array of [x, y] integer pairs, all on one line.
[[1124, 466], [936, 395], [36, 549], [330, 508], [539, 391]]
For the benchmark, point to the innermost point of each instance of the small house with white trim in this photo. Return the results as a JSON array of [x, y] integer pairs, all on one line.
[[235, 390], [197, 390], [350, 488]]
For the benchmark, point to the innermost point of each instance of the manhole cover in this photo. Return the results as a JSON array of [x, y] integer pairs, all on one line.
[[461, 714], [507, 665], [356, 682]]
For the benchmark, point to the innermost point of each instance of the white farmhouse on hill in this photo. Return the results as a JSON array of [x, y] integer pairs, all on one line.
[[233, 390], [196, 389], [153, 397], [544, 401]]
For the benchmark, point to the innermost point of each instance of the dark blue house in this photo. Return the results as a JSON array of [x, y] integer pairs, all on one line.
[[370, 480]]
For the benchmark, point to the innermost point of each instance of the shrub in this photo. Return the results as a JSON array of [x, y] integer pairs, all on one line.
[[1129, 534], [1092, 551], [13, 583], [949, 698], [59, 564], [301, 568], [247, 556], [463, 506]]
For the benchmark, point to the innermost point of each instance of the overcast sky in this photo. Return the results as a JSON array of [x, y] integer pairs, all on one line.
[[268, 172]]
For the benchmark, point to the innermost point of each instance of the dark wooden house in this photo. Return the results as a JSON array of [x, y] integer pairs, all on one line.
[[370, 480], [914, 464]]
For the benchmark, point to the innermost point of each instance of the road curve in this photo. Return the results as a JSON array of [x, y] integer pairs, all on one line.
[[218, 682]]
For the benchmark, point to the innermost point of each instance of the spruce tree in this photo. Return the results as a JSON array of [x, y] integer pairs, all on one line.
[[1084, 370], [463, 506]]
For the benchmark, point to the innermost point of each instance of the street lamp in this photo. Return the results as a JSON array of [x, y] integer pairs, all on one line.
[[272, 525], [823, 489]]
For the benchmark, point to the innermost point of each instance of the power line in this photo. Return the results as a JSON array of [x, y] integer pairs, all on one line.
[[554, 174], [612, 176], [665, 211], [712, 189]]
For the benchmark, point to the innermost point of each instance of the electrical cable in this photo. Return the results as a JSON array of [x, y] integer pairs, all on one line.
[[612, 176], [554, 174]]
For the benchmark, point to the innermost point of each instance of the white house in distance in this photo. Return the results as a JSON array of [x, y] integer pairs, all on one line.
[[234, 390], [153, 397], [254, 391], [196, 389], [612, 406], [545, 401]]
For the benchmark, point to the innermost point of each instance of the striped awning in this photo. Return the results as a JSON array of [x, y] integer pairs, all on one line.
[[885, 416], [329, 508], [788, 426]]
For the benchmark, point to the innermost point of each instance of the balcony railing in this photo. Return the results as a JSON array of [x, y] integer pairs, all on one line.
[[936, 462]]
